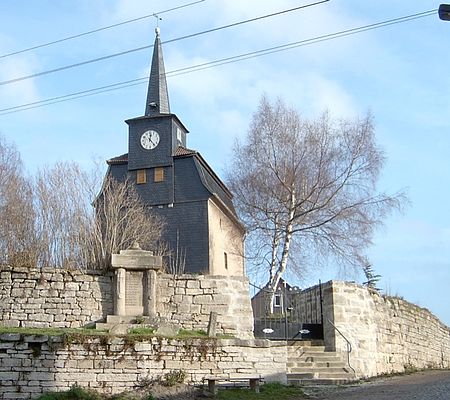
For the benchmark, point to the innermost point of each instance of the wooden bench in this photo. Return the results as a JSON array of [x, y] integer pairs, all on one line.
[[252, 381]]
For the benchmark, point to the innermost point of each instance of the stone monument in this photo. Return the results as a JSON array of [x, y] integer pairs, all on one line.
[[135, 281]]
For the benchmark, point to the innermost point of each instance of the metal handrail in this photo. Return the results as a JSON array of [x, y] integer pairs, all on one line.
[[349, 345]]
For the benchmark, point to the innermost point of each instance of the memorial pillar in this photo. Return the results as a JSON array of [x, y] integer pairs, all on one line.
[[120, 291], [150, 296]]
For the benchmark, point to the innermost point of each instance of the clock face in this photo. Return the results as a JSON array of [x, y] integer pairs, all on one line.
[[150, 139]]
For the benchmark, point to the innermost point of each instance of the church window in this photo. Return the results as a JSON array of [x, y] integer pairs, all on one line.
[[179, 137], [225, 259], [141, 176], [159, 174]]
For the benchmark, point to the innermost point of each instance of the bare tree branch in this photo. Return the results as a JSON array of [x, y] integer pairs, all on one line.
[[307, 189]]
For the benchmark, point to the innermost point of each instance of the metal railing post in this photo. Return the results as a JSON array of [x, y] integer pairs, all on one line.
[[349, 345]]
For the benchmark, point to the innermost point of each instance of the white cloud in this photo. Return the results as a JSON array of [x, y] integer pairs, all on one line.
[[19, 92]]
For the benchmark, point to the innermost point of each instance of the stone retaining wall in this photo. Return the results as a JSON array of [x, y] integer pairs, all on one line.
[[30, 365], [387, 334], [48, 297], [189, 300]]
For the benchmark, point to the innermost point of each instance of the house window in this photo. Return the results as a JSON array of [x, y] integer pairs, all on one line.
[[141, 176], [225, 259], [277, 300], [159, 174]]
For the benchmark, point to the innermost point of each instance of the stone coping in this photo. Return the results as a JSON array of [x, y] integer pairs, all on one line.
[[234, 342]]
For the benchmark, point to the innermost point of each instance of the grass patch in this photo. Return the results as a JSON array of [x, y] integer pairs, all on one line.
[[269, 391], [141, 331], [74, 393], [184, 333], [136, 333]]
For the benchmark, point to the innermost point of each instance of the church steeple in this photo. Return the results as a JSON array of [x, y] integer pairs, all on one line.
[[157, 94]]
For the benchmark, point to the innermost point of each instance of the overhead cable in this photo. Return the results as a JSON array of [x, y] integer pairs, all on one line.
[[99, 29], [79, 64], [215, 63]]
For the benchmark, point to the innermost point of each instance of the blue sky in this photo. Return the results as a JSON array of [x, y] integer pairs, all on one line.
[[399, 73]]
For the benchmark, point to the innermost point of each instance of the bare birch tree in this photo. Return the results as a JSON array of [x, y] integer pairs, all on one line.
[[306, 189]]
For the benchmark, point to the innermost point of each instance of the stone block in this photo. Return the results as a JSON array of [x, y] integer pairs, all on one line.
[[57, 285], [117, 377], [103, 364], [10, 337], [41, 376], [179, 290], [85, 364], [10, 362], [15, 395], [184, 308], [225, 299], [203, 299], [125, 364], [19, 316], [208, 283], [11, 323], [193, 284], [140, 347], [9, 376], [194, 292]]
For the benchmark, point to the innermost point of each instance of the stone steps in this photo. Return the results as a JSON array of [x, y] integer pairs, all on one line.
[[317, 382], [316, 365], [322, 372], [311, 364]]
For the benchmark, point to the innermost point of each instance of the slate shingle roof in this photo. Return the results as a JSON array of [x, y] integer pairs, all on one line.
[[123, 159], [183, 151], [210, 180]]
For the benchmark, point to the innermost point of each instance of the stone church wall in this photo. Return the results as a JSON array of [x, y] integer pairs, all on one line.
[[387, 334], [30, 365], [47, 297]]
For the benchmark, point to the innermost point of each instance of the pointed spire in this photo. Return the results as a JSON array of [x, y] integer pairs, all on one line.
[[157, 94]]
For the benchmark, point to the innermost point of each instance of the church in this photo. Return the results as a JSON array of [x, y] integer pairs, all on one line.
[[177, 184]]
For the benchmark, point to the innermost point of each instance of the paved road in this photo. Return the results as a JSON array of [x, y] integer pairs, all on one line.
[[429, 385]]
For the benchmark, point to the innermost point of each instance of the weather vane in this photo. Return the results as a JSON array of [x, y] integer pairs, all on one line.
[[158, 18]]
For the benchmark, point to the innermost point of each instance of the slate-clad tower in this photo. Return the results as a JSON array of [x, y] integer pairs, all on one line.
[[177, 183]]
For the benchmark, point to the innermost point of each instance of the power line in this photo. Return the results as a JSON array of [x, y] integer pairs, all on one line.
[[47, 72], [215, 63], [304, 42], [99, 29], [75, 95]]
